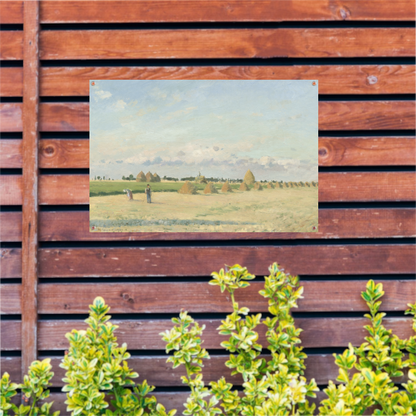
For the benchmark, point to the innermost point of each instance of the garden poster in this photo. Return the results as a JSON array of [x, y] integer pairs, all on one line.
[[203, 156]]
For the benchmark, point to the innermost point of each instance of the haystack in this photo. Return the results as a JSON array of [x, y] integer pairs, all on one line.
[[210, 189], [249, 178], [156, 177], [258, 187], [149, 177], [187, 188], [307, 184], [301, 184], [226, 187], [244, 187], [315, 183], [285, 185], [270, 185], [141, 177], [291, 184]]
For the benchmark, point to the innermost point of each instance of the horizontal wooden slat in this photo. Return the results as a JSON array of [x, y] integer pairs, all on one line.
[[333, 151], [366, 186], [11, 263], [10, 299], [333, 223], [12, 366], [340, 79], [367, 151], [65, 153], [333, 187], [201, 261], [226, 43], [223, 11], [11, 117], [11, 45], [10, 153], [11, 189], [144, 334], [11, 335], [325, 296], [333, 115], [11, 81], [11, 226], [11, 12]]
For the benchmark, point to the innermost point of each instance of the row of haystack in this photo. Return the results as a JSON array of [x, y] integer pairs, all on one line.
[[189, 188], [297, 184], [149, 177]]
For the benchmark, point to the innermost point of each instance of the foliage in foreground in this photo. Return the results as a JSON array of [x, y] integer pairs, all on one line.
[[98, 380]]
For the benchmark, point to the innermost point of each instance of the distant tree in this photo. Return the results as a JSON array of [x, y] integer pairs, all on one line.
[[123, 177], [99, 178], [131, 177], [95, 178]]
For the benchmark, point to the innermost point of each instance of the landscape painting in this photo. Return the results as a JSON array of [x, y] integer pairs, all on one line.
[[203, 156]]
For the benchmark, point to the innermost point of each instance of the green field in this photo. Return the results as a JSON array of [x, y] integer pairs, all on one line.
[[105, 188]]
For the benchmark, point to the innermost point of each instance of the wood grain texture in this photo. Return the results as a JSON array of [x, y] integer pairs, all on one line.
[[11, 79], [226, 43], [11, 226], [366, 186], [339, 79], [333, 223], [11, 12], [348, 151], [144, 334], [30, 180], [201, 261], [11, 153], [224, 11], [64, 153], [367, 151], [319, 296], [11, 263], [11, 189], [11, 48], [333, 115], [11, 299], [11, 336], [11, 117]]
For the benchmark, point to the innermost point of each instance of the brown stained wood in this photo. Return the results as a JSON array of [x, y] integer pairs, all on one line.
[[226, 43], [11, 153], [367, 151], [348, 151], [391, 186], [64, 189], [11, 263], [11, 336], [321, 296], [201, 261], [157, 372], [340, 79], [11, 299], [223, 11], [11, 48], [333, 115], [366, 115], [11, 12], [11, 117], [12, 366], [64, 153], [11, 79], [144, 334], [333, 223], [11, 189], [10, 226], [30, 183]]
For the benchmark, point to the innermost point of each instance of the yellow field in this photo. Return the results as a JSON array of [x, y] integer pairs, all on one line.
[[270, 210]]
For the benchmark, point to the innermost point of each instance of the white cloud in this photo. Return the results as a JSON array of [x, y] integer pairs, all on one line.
[[103, 94]]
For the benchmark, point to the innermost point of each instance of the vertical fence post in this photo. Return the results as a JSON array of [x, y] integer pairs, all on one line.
[[30, 181]]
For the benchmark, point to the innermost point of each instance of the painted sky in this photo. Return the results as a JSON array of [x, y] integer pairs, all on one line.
[[220, 128]]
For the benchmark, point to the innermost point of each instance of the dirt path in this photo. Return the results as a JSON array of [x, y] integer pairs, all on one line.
[[270, 210]]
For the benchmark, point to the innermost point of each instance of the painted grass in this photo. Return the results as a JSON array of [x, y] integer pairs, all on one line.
[[106, 188]]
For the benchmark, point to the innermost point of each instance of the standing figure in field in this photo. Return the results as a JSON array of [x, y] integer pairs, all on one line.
[[129, 194], [148, 193]]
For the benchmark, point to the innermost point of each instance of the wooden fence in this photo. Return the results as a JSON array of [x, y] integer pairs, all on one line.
[[52, 267]]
